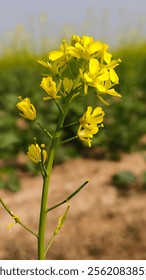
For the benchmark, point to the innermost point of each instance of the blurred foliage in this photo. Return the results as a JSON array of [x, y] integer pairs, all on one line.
[[125, 120], [124, 180], [9, 179], [143, 180]]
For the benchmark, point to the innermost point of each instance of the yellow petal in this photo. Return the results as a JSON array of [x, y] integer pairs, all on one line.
[[54, 55], [93, 66], [95, 47], [87, 78], [107, 57], [113, 76], [113, 92]]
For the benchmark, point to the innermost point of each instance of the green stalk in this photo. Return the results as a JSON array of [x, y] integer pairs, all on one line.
[[46, 180], [16, 218], [69, 197]]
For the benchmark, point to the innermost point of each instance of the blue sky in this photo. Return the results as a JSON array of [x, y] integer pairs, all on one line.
[[108, 20]]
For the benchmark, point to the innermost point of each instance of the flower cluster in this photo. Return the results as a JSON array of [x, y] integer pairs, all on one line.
[[81, 67], [94, 68], [90, 123]]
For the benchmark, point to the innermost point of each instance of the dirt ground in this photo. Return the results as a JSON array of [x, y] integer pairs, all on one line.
[[101, 224]]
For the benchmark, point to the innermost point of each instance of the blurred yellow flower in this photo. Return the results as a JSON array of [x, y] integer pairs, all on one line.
[[50, 87], [36, 154], [67, 84], [53, 67], [28, 110]]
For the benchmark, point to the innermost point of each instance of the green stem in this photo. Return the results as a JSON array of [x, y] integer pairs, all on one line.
[[46, 181], [16, 218], [69, 139], [69, 197], [57, 230], [44, 129], [70, 124], [59, 109]]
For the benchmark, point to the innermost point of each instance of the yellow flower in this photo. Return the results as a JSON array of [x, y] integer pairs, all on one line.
[[50, 87], [101, 76], [111, 64], [109, 90], [86, 135], [53, 67], [92, 117], [61, 55], [67, 84], [90, 123], [83, 47], [95, 76], [28, 110], [36, 154]]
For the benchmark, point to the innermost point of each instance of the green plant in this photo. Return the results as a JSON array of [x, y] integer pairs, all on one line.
[[78, 69]]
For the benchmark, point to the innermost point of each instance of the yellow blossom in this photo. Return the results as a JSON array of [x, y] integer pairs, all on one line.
[[92, 117], [95, 76], [83, 47], [28, 110], [111, 64], [109, 90], [53, 67], [103, 55], [90, 123], [61, 55], [67, 84], [86, 135], [50, 87], [36, 153]]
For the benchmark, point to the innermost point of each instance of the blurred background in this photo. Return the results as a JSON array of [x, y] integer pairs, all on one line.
[[28, 31]]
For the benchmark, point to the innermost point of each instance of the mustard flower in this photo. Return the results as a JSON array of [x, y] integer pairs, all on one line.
[[28, 110], [86, 135], [95, 76], [67, 84], [50, 87], [109, 90], [83, 47], [111, 64], [102, 54], [92, 117], [61, 55], [36, 154], [90, 123], [53, 67]]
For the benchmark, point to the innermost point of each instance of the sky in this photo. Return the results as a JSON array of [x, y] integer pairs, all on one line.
[[112, 21]]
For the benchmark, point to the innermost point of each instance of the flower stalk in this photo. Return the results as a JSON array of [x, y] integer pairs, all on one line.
[[45, 191]]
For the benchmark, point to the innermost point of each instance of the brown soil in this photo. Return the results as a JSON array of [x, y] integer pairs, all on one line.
[[101, 224]]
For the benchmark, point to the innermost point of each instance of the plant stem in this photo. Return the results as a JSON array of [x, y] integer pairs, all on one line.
[[16, 218], [58, 228], [70, 124], [46, 180], [69, 197], [69, 139], [44, 129]]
